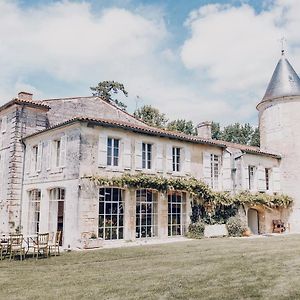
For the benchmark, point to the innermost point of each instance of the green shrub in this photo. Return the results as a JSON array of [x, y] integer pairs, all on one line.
[[236, 226], [196, 230]]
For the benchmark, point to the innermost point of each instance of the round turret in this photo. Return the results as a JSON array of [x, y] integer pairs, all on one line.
[[279, 124]]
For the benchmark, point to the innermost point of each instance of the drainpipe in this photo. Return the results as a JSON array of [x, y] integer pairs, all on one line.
[[23, 166]]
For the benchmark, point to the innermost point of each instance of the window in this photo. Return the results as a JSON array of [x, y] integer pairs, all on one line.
[[176, 214], [34, 206], [56, 210], [214, 170], [267, 175], [146, 213], [176, 159], [251, 171], [113, 152], [111, 212], [35, 151], [146, 156]]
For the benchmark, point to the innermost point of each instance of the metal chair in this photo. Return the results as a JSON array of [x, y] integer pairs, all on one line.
[[4, 247], [55, 243], [42, 245], [16, 246]]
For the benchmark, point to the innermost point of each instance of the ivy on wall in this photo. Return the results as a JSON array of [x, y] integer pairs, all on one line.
[[200, 192]]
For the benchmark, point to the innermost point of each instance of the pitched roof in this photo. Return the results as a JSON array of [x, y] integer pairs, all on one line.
[[284, 82], [30, 103], [158, 132]]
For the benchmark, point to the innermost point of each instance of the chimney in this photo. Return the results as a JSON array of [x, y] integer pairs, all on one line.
[[204, 130], [25, 96]]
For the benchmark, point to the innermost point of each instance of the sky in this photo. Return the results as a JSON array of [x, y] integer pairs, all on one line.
[[193, 59]]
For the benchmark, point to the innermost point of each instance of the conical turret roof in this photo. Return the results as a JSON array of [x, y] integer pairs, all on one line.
[[284, 82]]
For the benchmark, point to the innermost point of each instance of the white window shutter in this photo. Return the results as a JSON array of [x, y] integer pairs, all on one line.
[[49, 155], [226, 172], [138, 155], [39, 158], [127, 153], [245, 176], [159, 158], [63, 151], [207, 168], [4, 124], [261, 178], [32, 162], [169, 155], [187, 161], [276, 179], [102, 151]]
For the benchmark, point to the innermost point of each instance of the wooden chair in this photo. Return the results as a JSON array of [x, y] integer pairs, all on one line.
[[16, 246], [42, 245], [4, 247], [54, 244]]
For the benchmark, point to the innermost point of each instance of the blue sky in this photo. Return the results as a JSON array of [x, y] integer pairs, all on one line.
[[198, 60]]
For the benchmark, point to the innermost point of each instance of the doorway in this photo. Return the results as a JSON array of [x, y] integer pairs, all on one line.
[[253, 220]]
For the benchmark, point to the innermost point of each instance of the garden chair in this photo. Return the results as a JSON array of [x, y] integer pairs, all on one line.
[[41, 245], [4, 247], [16, 246], [54, 244]]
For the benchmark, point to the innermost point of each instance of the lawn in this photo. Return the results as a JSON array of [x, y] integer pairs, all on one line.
[[261, 268]]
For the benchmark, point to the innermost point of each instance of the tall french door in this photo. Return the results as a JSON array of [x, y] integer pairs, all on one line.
[[146, 214]]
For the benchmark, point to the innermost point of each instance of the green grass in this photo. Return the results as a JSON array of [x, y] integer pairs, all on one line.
[[262, 268]]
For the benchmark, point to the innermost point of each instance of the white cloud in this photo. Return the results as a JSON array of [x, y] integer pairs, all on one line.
[[227, 60], [236, 48]]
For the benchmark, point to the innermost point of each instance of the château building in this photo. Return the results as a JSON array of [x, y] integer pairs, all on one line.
[[48, 148]]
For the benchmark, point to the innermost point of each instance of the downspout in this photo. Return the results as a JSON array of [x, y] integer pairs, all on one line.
[[23, 166]]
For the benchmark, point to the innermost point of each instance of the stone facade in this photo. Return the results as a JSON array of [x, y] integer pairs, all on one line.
[[48, 149]]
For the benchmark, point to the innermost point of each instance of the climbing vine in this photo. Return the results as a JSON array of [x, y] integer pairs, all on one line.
[[200, 192]]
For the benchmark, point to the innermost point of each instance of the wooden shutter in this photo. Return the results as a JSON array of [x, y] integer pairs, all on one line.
[[39, 158], [159, 158], [127, 153], [245, 177], [207, 168], [4, 124], [169, 155], [187, 160], [138, 155], [49, 154], [226, 172], [261, 178], [102, 151], [63, 151], [276, 179]]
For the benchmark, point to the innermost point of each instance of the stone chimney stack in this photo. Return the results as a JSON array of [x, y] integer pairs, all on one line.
[[204, 129], [25, 96]]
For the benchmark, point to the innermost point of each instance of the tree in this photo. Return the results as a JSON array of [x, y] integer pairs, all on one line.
[[238, 133], [216, 132], [182, 125], [255, 139], [104, 90], [151, 116]]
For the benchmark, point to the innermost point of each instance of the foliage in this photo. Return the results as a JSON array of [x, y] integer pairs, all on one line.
[[151, 116], [236, 226], [237, 133], [201, 193], [255, 139], [216, 132], [218, 215], [104, 90], [182, 125], [196, 230]]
